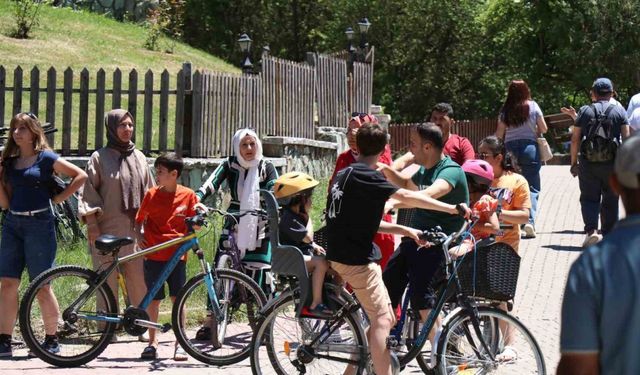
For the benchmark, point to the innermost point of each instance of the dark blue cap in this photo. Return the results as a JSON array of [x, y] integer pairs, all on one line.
[[602, 86]]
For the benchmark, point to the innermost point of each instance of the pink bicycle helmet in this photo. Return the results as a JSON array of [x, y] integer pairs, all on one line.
[[479, 170]]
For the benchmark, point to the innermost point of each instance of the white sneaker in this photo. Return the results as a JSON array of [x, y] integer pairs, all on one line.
[[144, 337], [529, 231], [592, 239]]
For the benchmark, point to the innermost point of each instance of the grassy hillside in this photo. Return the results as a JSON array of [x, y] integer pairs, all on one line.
[[82, 39], [76, 39]]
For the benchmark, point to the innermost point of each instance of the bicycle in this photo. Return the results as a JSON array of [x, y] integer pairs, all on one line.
[[229, 256], [89, 315], [471, 341]]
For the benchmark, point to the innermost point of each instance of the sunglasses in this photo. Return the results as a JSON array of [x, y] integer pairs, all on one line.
[[31, 115], [484, 155]]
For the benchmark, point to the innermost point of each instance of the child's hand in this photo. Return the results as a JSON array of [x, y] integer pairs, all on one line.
[[318, 250], [414, 234], [200, 208]]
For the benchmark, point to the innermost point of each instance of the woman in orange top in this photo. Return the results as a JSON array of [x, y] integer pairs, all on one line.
[[384, 241], [516, 201]]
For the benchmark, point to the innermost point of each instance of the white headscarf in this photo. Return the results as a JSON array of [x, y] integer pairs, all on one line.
[[248, 191]]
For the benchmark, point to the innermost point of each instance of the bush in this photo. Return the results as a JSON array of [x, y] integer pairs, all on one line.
[[167, 19], [25, 13]]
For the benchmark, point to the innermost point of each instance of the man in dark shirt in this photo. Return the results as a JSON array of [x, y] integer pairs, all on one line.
[[597, 198], [354, 211]]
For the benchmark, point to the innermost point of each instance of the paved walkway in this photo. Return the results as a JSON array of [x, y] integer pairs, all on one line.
[[545, 264]]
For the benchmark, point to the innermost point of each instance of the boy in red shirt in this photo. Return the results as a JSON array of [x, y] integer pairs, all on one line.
[[161, 217]]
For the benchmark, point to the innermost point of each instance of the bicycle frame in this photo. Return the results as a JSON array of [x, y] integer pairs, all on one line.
[[189, 241], [465, 302]]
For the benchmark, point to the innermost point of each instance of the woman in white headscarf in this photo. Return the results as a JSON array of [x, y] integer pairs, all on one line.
[[245, 172]]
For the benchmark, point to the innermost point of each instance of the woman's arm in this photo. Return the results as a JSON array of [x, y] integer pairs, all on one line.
[[4, 193], [520, 216], [501, 129], [212, 184], [542, 125], [78, 178]]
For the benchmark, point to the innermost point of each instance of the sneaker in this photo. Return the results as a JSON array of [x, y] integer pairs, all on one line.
[[6, 350], [50, 344], [592, 238], [529, 231], [149, 353]]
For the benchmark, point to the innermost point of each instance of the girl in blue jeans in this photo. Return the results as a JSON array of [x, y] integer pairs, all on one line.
[[28, 233], [520, 123]]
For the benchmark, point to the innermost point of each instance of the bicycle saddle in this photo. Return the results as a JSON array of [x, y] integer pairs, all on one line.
[[108, 243]]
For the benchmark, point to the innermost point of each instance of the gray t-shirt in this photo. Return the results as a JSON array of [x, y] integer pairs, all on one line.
[[618, 117], [602, 300], [525, 130]]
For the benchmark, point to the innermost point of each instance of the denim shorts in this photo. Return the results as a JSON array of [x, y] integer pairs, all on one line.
[[27, 241], [153, 270]]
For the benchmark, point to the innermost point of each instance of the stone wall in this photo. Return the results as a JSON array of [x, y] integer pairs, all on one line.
[[316, 158]]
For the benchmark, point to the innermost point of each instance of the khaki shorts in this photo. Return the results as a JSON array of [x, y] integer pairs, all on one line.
[[366, 282]]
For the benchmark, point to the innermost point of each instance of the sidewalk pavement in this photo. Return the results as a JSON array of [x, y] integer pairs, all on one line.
[[545, 264]]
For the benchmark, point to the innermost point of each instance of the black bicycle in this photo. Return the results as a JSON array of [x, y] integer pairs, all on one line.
[[475, 339]]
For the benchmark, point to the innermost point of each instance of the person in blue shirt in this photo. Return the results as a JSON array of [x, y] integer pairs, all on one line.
[[26, 169], [600, 322]]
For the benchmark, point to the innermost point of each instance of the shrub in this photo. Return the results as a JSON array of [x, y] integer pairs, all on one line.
[[25, 14], [167, 19]]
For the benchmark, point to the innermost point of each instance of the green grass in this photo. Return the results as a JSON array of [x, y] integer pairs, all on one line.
[[77, 39]]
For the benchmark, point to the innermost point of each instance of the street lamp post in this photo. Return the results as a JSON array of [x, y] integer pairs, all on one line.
[[364, 26], [245, 46]]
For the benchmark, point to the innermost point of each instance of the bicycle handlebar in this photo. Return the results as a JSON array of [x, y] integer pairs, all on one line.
[[437, 236]]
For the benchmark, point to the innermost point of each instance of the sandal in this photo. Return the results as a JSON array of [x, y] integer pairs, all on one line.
[[321, 311], [179, 354], [203, 334], [149, 353], [509, 354]]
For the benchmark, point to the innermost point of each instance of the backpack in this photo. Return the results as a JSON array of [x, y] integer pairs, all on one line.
[[599, 146]]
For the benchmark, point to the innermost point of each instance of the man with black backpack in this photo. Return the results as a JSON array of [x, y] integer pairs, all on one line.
[[599, 130]]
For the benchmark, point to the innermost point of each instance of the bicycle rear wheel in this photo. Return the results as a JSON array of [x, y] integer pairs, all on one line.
[[499, 344], [80, 339], [281, 344], [240, 300]]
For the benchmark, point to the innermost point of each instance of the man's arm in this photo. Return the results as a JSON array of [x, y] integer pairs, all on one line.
[[438, 189], [625, 130], [419, 200], [396, 177], [579, 364], [403, 161], [576, 137]]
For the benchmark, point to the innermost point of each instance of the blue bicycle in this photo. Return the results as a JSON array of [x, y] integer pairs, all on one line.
[[88, 313]]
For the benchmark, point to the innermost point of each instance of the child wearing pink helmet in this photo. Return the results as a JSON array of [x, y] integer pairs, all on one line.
[[479, 177]]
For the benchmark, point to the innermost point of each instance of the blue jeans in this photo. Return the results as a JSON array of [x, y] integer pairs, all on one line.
[[528, 159], [27, 241], [597, 198]]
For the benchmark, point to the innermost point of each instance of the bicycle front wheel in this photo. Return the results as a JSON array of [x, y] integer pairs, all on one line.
[[283, 344], [240, 300], [490, 342], [81, 336]]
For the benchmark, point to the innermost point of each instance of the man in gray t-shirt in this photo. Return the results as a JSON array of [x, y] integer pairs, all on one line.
[[597, 199], [600, 322]]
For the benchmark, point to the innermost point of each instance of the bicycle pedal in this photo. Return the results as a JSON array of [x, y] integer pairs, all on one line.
[[166, 328], [392, 342]]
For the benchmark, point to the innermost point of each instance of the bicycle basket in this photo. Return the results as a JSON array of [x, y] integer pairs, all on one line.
[[496, 272]]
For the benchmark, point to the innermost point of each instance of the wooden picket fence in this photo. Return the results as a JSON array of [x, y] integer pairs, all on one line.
[[197, 112], [474, 130]]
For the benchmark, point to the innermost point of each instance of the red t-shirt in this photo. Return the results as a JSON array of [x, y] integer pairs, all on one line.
[[163, 215], [459, 149]]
